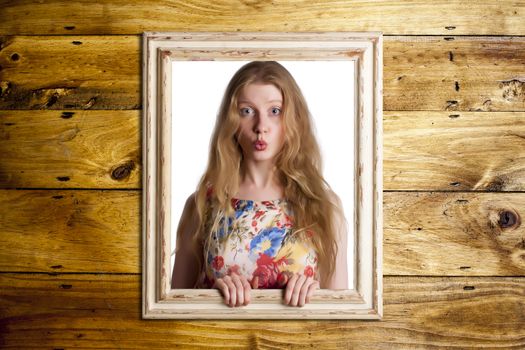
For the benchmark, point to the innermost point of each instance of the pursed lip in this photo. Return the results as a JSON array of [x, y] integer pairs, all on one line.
[[260, 145]]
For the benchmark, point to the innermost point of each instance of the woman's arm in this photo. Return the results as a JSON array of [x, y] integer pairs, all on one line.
[[185, 271], [235, 289]]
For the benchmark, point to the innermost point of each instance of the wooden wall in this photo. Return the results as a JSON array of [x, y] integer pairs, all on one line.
[[70, 173]]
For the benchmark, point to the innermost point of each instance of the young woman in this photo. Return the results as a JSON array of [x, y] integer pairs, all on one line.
[[262, 215]]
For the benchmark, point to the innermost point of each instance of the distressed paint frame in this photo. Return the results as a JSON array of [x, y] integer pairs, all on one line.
[[364, 301]]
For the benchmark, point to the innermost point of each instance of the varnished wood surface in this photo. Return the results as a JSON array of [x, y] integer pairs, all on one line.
[[70, 149], [64, 72], [454, 151], [442, 17], [72, 231], [420, 73], [439, 234], [454, 73], [450, 151], [447, 234], [103, 311], [76, 62]]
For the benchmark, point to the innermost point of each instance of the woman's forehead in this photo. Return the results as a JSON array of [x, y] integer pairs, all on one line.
[[260, 92]]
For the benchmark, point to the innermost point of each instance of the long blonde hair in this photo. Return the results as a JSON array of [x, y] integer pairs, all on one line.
[[298, 164]]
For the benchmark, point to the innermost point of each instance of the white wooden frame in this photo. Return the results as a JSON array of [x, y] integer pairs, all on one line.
[[364, 300]]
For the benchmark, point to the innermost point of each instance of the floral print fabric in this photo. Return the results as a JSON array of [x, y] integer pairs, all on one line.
[[259, 245]]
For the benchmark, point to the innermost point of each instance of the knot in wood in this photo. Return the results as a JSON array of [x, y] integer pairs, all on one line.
[[123, 171], [508, 219], [513, 90]]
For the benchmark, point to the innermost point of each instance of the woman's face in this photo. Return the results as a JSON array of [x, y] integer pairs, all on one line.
[[260, 132]]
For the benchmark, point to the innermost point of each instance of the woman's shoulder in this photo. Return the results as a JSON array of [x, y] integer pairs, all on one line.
[[191, 201], [189, 211]]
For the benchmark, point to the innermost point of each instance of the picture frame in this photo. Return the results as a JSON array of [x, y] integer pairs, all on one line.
[[363, 52]]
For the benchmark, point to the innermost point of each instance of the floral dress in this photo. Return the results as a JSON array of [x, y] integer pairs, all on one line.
[[259, 245]]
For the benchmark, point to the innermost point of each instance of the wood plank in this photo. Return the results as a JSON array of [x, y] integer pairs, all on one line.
[[65, 149], [391, 17], [454, 151], [454, 74], [454, 234], [103, 311], [73, 231], [420, 73], [448, 234], [458, 151], [70, 72]]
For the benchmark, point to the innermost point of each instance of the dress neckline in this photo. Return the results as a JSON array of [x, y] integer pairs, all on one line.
[[237, 203], [258, 201]]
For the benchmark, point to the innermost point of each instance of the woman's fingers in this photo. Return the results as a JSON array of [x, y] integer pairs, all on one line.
[[232, 291], [239, 286], [247, 290], [235, 289], [313, 287], [299, 290], [307, 290], [290, 288], [223, 288]]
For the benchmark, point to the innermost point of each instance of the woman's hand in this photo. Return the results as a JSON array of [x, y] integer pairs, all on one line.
[[299, 290], [235, 289]]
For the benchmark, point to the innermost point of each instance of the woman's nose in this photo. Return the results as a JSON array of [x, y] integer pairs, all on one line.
[[261, 124]]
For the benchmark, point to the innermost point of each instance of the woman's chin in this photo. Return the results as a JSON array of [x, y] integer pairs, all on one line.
[[262, 157]]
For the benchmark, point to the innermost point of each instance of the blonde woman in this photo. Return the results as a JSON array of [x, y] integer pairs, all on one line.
[[262, 215]]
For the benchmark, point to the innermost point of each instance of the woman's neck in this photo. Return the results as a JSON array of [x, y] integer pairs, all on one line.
[[259, 181]]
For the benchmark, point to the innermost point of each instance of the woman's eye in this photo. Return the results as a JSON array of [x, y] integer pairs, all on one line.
[[246, 111], [276, 111]]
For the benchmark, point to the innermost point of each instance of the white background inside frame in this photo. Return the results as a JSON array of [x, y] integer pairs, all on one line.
[[197, 91]]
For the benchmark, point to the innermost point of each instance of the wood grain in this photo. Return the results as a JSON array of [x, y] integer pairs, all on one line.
[[70, 149], [73, 231], [70, 72], [391, 17], [103, 311], [448, 234], [420, 73], [454, 151], [76, 63], [454, 73]]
